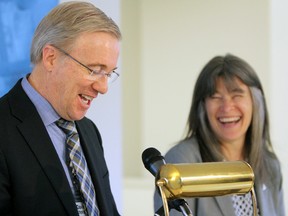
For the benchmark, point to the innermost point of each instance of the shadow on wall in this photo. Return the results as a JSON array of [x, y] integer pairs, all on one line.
[[18, 21]]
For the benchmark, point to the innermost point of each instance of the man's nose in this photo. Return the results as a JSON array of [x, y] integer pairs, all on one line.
[[101, 85]]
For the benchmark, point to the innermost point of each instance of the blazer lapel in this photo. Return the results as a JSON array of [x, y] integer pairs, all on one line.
[[225, 205], [42, 147], [264, 200]]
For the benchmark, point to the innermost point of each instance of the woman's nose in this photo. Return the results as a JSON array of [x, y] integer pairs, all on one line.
[[227, 104]]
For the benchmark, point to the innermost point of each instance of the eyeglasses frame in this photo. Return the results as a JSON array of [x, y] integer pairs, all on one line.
[[92, 72]]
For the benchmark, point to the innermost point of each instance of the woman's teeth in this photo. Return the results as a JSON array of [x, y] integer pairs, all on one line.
[[229, 120]]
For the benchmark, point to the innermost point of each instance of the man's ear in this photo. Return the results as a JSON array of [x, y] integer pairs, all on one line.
[[49, 55]]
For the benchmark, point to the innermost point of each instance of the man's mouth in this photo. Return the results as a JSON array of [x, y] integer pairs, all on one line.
[[86, 99]]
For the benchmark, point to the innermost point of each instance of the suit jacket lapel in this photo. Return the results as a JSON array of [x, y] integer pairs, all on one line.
[[41, 145]]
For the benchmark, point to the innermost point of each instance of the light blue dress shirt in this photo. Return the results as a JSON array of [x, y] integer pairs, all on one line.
[[49, 116]]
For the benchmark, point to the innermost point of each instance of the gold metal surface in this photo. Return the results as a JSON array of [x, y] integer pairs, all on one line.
[[206, 179]]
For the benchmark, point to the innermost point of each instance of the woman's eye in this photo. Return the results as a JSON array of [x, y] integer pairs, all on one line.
[[237, 96], [215, 97]]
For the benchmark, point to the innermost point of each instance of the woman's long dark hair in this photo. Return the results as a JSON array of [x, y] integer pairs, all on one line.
[[257, 144]]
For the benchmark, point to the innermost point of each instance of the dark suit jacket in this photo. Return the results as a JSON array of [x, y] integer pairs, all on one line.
[[32, 180]]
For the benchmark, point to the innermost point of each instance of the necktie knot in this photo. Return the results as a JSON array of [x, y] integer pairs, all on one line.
[[68, 127]]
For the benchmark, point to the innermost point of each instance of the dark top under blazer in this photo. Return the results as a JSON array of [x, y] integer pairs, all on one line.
[[32, 179]]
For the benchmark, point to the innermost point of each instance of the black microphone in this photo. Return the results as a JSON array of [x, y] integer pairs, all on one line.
[[153, 160]]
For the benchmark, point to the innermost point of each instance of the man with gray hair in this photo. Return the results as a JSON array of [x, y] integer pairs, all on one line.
[[51, 155]]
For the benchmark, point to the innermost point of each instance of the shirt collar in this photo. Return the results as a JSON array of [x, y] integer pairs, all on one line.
[[44, 108]]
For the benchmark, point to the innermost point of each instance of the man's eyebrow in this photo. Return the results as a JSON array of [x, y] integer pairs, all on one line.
[[100, 65]]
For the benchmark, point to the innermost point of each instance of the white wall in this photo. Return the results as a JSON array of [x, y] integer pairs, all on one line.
[[278, 82], [176, 44], [165, 45]]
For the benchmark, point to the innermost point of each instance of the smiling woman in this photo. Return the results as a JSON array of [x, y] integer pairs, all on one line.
[[228, 121], [229, 113]]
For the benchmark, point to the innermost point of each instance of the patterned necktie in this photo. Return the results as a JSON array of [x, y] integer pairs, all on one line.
[[79, 166]]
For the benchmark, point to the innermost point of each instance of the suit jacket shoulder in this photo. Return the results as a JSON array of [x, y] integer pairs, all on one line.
[[30, 166], [32, 179]]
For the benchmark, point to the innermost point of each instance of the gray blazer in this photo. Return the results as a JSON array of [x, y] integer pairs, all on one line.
[[270, 199]]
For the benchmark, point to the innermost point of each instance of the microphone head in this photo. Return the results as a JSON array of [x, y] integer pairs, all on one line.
[[152, 160]]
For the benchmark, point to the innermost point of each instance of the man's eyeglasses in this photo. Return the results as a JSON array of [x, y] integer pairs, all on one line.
[[96, 73]]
